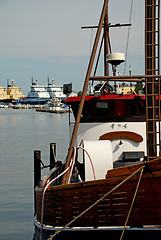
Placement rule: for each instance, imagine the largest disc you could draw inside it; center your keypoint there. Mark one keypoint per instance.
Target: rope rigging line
(91, 40)
(128, 35)
(95, 203)
(133, 200)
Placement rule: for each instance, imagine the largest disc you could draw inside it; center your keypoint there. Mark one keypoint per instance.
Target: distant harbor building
(11, 92)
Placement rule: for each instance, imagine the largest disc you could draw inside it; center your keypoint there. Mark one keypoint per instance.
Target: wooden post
(52, 155)
(37, 173)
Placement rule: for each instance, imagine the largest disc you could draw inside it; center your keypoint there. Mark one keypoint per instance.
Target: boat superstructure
(38, 91)
(55, 91)
(113, 118)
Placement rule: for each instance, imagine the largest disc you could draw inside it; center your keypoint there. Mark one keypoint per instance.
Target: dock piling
(37, 172)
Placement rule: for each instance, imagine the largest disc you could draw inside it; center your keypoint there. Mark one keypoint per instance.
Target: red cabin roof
(104, 97)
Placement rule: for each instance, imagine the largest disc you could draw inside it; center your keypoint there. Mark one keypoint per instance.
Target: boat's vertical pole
(105, 5)
(52, 155)
(37, 172)
(106, 44)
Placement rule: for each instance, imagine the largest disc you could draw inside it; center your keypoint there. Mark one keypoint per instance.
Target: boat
(55, 105)
(40, 94)
(37, 95)
(110, 183)
(55, 91)
(2, 105)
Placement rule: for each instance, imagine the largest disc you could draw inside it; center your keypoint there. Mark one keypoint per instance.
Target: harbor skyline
(38, 41)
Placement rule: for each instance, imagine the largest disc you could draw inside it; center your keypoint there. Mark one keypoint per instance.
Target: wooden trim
(153, 166)
(122, 135)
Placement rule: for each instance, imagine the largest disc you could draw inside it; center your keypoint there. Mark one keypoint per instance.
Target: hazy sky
(41, 38)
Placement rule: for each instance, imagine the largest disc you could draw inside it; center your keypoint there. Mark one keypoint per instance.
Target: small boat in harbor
(3, 105)
(110, 183)
(55, 105)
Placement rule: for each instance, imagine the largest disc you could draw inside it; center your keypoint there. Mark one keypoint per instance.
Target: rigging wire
(91, 40)
(128, 35)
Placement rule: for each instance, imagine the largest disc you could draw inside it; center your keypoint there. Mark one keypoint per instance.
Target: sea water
(21, 132)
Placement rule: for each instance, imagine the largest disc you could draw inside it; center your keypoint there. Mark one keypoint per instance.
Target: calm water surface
(22, 132)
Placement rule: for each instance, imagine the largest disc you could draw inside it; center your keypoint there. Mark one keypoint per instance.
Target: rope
(90, 48)
(128, 35)
(137, 187)
(39, 158)
(72, 166)
(95, 203)
(43, 165)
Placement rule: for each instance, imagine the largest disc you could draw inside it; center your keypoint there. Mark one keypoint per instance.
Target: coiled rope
(100, 199)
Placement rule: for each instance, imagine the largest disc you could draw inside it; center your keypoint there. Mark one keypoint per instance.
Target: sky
(43, 38)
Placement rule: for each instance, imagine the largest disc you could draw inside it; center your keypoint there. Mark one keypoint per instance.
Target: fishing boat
(110, 183)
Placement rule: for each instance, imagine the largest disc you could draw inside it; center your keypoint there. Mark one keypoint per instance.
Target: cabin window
(102, 105)
(120, 108)
(102, 108)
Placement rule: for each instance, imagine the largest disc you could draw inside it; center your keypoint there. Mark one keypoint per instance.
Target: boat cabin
(115, 124)
(109, 108)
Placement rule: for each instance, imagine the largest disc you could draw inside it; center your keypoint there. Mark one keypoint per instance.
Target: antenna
(115, 59)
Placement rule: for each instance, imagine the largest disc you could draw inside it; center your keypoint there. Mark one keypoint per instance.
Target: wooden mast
(104, 9)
